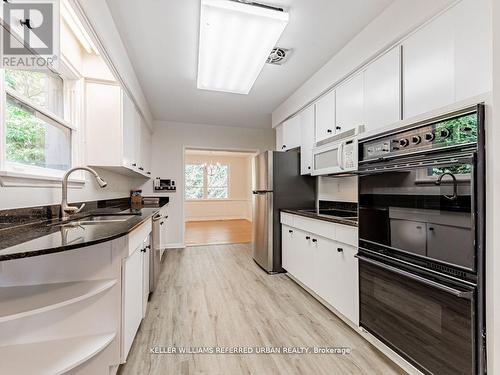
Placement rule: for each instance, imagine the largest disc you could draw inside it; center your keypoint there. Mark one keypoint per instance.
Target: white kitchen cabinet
(116, 137)
(280, 140)
(291, 133)
(327, 266)
(382, 91)
(146, 252)
(449, 59)
(307, 118)
(132, 279)
(428, 67)
(325, 117)
(346, 295)
(473, 52)
(289, 256)
(349, 104)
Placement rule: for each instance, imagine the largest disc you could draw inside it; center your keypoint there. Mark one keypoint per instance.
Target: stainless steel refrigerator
(277, 185)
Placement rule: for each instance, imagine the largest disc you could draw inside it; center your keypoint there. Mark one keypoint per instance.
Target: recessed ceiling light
(235, 41)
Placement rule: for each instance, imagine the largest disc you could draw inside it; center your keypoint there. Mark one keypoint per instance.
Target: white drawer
(347, 234)
(287, 219)
(137, 236)
(318, 227)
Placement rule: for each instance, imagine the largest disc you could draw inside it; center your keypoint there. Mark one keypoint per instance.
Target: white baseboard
(212, 218)
(173, 246)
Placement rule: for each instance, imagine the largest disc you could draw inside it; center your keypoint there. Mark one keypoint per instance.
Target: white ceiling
(162, 41)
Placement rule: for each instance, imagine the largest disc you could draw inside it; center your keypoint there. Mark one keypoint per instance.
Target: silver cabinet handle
(420, 279)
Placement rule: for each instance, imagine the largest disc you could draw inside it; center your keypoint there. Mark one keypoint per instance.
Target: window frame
(17, 174)
(205, 186)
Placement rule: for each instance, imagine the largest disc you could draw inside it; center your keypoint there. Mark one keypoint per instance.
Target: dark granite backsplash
(23, 216)
(348, 206)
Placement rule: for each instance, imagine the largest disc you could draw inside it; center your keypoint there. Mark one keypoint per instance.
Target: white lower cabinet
(135, 286)
(326, 266)
(132, 299)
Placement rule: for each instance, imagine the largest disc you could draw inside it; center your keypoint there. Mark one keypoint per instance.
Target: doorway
(217, 197)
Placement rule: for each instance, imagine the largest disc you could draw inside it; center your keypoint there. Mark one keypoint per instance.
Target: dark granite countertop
(311, 213)
(40, 238)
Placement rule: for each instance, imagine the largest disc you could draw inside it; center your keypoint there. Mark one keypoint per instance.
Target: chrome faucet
(66, 210)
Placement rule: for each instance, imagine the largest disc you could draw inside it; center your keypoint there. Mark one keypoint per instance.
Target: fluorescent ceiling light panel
(235, 41)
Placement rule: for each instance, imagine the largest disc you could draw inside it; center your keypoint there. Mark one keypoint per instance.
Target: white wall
(395, 22)
(341, 189)
(238, 204)
(118, 187)
(493, 207)
(169, 141)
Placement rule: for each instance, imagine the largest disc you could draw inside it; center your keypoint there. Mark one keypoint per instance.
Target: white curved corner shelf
(25, 300)
(52, 357)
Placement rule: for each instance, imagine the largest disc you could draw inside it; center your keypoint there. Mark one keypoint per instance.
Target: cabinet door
(349, 104)
(325, 269)
(428, 67)
(129, 130)
(382, 91)
(473, 51)
(280, 141)
(138, 141)
(305, 258)
(307, 139)
(132, 298)
(325, 117)
(346, 298)
(288, 256)
(103, 107)
(145, 275)
(291, 133)
(145, 148)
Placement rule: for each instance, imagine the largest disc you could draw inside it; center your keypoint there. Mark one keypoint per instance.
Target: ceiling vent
(278, 56)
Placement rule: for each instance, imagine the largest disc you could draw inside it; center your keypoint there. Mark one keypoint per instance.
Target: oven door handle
(444, 288)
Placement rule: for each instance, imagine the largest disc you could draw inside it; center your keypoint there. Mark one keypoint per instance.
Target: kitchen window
(207, 181)
(37, 140)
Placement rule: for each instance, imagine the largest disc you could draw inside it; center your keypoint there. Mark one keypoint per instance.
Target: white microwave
(335, 157)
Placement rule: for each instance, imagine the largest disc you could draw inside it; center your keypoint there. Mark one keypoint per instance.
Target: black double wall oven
(421, 242)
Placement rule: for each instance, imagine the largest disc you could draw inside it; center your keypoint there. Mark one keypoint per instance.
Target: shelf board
(52, 357)
(21, 301)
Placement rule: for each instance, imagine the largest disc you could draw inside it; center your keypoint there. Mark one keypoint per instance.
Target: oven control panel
(456, 131)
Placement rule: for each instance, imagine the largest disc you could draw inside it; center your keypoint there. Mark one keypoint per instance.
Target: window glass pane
(194, 175)
(217, 193)
(217, 175)
(43, 89)
(194, 192)
(33, 139)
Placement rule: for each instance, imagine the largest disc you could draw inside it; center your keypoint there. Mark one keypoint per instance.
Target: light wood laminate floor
(217, 232)
(217, 296)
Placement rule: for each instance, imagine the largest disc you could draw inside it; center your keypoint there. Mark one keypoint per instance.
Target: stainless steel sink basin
(95, 219)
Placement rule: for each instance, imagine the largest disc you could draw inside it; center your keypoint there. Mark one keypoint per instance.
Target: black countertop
(314, 215)
(42, 238)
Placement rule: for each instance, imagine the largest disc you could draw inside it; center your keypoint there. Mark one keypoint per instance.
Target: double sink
(95, 219)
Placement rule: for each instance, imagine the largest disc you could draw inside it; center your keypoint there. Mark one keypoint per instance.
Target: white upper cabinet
(473, 51)
(288, 134)
(307, 139)
(325, 116)
(382, 91)
(449, 59)
(280, 140)
(349, 104)
(428, 67)
(116, 136)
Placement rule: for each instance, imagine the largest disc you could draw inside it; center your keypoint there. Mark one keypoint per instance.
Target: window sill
(24, 179)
